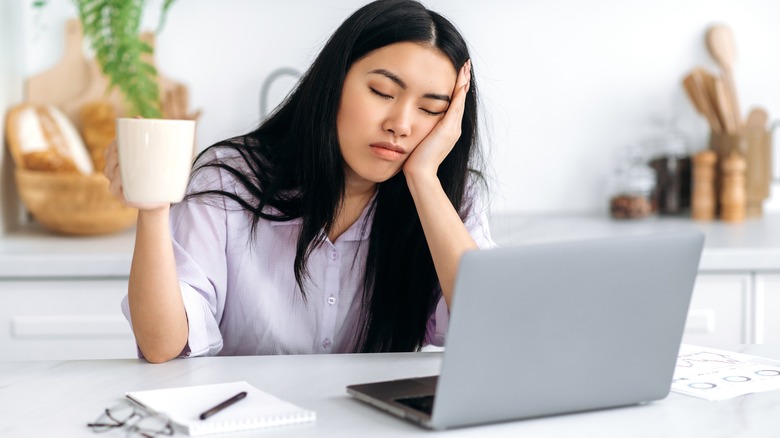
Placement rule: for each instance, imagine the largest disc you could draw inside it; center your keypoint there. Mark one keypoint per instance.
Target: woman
(338, 224)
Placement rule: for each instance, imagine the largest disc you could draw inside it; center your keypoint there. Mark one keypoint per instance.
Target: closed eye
(382, 95)
(388, 97)
(432, 113)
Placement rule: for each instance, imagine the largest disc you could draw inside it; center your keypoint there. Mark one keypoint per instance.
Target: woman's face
(392, 99)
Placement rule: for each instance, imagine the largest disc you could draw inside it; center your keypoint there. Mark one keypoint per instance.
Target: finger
(454, 114)
(111, 151)
(464, 77)
(461, 87)
(115, 186)
(110, 160)
(468, 75)
(108, 168)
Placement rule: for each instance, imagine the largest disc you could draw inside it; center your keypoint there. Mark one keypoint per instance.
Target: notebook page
(184, 405)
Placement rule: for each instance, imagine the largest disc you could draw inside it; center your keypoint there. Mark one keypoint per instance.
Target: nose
(398, 121)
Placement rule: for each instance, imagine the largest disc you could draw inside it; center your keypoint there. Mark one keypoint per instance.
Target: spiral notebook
(257, 410)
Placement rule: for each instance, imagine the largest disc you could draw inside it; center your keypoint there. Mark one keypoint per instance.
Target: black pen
(222, 405)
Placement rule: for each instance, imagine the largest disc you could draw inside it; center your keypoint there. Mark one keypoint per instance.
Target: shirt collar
(360, 230)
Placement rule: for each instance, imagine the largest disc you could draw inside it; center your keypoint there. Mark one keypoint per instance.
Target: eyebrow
(402, 84)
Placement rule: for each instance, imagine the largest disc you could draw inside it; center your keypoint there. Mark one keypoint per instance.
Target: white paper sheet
(714, 374)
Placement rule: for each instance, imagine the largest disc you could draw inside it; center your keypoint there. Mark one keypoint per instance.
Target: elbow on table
(161, 353)
(158, 357)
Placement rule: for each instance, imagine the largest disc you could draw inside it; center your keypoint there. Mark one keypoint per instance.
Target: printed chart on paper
(714, 374)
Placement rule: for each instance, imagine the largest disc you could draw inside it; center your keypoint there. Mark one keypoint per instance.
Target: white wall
(565, 83)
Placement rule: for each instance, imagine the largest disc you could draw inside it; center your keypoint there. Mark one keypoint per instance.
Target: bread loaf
(41, 137)
(98, 121)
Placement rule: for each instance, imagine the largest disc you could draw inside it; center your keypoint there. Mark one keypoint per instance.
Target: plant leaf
(164, 15)
(113, 28)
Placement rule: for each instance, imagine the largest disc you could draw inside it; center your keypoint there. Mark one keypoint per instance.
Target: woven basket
(71, 203)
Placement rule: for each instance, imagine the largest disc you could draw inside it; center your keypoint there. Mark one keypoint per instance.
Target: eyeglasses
(135, 422)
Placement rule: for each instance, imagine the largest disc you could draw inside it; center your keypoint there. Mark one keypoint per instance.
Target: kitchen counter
(753, 245)
(35, 253)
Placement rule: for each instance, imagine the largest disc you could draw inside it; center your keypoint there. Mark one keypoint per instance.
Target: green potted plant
(113, 28)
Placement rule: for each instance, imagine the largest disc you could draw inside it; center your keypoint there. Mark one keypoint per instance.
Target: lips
(389, 146)
(388, 151)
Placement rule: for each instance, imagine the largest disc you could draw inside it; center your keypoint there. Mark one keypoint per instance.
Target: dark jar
(673, 183)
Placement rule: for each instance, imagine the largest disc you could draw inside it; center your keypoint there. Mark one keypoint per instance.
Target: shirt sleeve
(478, 226)
(199, 238)
(204, 337)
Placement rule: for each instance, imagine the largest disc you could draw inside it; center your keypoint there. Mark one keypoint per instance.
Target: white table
(58, 398)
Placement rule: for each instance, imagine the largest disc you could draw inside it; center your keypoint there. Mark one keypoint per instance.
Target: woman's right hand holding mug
(114, 175)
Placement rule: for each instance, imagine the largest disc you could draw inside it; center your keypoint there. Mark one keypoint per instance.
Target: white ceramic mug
(155, 157)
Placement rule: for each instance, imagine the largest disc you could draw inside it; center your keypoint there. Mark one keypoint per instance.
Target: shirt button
(334, 255)
(331, 300)
(326, 343)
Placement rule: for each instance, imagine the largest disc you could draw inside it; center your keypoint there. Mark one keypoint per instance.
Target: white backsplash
(564, 83)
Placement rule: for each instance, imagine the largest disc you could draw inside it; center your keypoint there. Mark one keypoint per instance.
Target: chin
(385, 176)
(378, 176)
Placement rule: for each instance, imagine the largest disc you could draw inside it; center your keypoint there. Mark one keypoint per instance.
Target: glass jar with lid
(671, 161)
(632, 189)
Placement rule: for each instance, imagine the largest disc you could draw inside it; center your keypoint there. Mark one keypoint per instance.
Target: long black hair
(293, 164)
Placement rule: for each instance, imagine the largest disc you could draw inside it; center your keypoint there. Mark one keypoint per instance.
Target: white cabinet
(734, 308)
(768, 306)
(64, 319)
(720, 310)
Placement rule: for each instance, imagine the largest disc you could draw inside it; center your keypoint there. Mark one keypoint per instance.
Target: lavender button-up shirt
(240, 294)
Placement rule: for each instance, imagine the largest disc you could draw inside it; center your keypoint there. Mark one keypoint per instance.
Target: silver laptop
(554, 328)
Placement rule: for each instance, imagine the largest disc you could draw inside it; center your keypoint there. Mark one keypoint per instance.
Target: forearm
(445, 233)
(154, 297)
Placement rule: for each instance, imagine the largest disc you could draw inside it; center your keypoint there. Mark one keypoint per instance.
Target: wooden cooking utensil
(709, 88)
(759, 157)
(726, 111)
(66, 80)
(695, 88)
(757, 118)
(720, 43)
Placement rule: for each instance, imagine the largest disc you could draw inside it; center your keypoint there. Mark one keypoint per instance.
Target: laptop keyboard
(423, 403)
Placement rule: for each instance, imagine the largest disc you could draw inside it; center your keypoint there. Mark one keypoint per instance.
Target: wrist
(421, 180)
(154, 214)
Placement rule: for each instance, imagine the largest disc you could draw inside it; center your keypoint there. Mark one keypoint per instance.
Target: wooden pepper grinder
(704, 200)
(733, 196)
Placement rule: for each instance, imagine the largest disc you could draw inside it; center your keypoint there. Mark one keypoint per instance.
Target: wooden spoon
(720, 43)
(730, 122)
(696, 89)
(709, 87)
